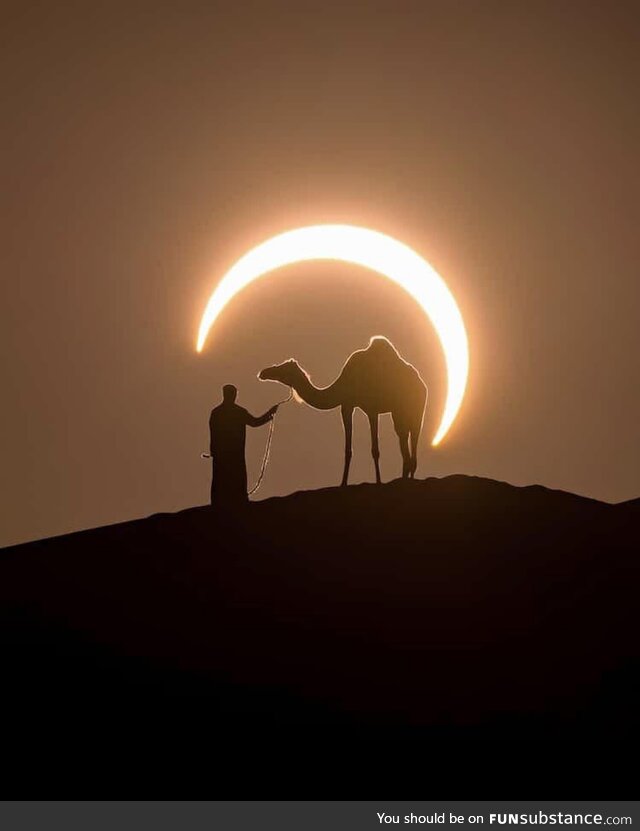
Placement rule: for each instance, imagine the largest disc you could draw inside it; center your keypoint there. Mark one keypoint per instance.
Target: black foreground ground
(424, 615)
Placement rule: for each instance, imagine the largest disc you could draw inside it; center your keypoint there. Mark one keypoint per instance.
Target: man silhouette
(228, 429)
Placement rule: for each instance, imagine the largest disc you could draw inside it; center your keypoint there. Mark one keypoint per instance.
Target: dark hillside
(446, 608)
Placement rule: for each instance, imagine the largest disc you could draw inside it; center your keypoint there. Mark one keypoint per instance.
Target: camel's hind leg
(403, 437)
(415, 437)
(375, 448)
(402, 431)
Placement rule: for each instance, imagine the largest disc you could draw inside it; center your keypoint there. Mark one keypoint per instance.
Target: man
(228, 429)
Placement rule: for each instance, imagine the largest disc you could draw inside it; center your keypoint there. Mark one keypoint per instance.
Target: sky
(145, 148)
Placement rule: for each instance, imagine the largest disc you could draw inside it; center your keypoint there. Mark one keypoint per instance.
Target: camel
(375, 379)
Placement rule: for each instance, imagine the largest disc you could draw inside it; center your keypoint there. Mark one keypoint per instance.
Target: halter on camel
(265, 460)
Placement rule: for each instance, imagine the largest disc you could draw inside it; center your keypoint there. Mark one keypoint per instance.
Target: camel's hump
(380, 350)
(380, 356)
(379, 343)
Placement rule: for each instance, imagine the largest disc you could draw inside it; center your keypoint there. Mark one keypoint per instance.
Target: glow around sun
(377, 252)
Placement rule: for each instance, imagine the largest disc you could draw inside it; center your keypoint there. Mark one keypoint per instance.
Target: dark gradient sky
(145, 149)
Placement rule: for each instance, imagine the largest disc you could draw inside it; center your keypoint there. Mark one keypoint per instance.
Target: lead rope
(267, 450)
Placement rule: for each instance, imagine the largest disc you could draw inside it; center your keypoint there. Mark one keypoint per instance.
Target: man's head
(229, 393)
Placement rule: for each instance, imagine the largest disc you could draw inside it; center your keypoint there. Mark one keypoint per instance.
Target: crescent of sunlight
(373, 250)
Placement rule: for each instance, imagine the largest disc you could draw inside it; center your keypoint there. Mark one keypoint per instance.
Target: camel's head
(286, 373)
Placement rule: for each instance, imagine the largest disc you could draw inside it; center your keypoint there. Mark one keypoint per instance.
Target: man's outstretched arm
(258, 421)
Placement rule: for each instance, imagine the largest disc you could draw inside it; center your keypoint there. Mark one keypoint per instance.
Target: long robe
(228, 430)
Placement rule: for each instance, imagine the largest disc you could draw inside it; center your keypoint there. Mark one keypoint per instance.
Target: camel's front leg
(347, 423)
(375, 449)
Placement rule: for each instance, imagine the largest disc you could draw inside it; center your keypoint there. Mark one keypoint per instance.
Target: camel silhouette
(375, 379)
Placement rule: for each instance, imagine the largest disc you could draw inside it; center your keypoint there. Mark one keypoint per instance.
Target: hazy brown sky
(145, 149)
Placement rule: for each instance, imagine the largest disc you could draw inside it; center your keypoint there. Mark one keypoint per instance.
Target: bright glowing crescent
(373, 250)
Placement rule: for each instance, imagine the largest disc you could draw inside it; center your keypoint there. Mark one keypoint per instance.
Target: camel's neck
(321, 398)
